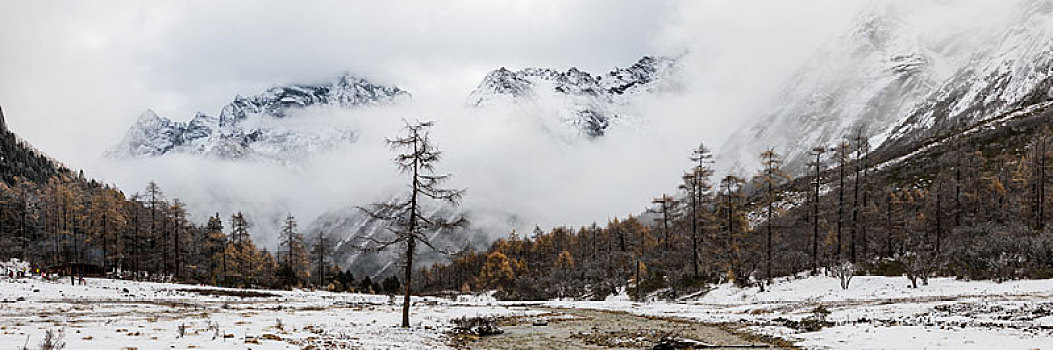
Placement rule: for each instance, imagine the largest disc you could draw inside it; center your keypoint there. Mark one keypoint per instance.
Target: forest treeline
(65, 224)
(71, 226)
(972, 205)
(969, 204)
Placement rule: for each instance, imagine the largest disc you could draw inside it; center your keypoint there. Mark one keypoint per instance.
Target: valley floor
(874, 313)
(114, 314)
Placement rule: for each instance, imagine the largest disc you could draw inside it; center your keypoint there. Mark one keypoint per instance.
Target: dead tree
(321, 252)
(405, 217)
(665, 205)
(818, 153)
(842, 160)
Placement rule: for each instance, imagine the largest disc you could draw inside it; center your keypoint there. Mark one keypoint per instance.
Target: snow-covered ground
(875, 312)
(115, 314)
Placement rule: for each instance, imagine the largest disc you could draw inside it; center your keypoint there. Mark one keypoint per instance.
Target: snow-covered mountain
(257, 126)
(353, 234)
(866, 80)
(587, 103)
(1015, 71)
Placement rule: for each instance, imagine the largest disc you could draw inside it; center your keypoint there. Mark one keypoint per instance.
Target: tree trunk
(771, 199)
(840, 202)
(410, 250)
(815, 216)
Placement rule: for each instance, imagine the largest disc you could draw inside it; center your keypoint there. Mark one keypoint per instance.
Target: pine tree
(405, 217)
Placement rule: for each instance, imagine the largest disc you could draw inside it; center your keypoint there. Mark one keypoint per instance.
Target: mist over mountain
(869, 80)
(898, 73)
(326, 137)
(256, 126)
(587, 103)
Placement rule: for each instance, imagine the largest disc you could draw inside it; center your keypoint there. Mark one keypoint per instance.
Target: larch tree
(238, 252)
(698, 188)
(156, 198)
(1039, 180)
(215, 247)
(817, 164)
(179, 223)
(858, 228)
(239, 228)
(841, 152)
(732, 221)
(321, 251)
(771, 176)
(497, 272)
(295, 264)
(665, 207)
(405, 216)
(108, 219)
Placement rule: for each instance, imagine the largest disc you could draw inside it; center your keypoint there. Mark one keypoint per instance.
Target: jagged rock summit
(586, 102)
(251, 126)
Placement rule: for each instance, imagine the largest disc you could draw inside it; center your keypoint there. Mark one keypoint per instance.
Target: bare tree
(771, 176)
(818, 164)
(405, 217)
(731, 213)
(842, 160)
(321, 252)
(664, 207)
(698, 187)
(858, 228)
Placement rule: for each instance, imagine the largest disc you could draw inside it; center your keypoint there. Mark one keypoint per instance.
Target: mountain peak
(225, 136)
(589, 102)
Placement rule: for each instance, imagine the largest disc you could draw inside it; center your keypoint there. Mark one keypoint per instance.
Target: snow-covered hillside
(258, 126)
(1015, 71)
(865, 80)
(353, 233)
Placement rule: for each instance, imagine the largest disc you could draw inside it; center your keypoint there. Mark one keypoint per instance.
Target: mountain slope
(1012, 74)
(866, 80)
(255, 126)
(18, 159)
(354, 233)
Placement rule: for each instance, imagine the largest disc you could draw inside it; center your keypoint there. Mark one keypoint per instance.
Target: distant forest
(972, 203)
(66, 224)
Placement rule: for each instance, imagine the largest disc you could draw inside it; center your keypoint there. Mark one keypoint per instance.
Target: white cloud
(75, 75)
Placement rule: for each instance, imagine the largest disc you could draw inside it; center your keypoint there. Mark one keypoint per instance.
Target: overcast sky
(75, 75)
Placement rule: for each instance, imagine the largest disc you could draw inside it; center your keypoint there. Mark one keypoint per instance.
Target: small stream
(589, 329)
